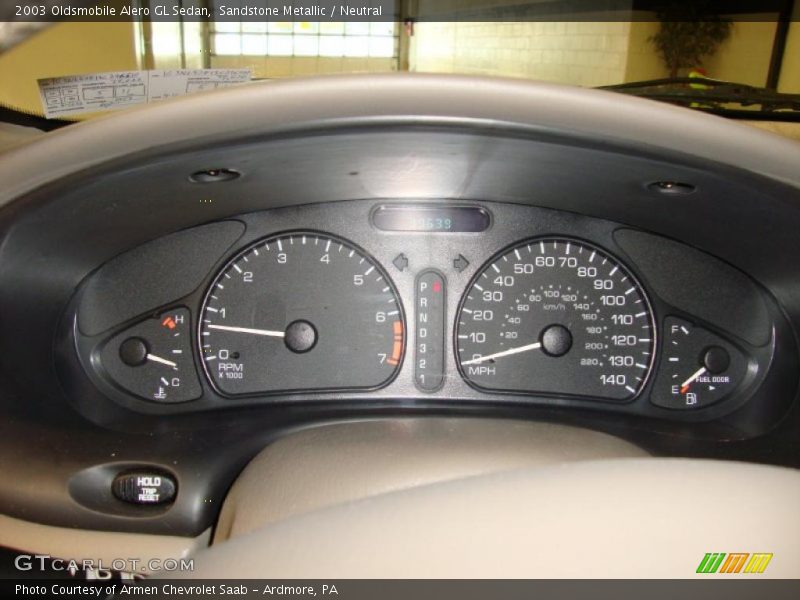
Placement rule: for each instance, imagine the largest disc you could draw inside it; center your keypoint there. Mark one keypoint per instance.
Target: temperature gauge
(698, 368)
(153, 359)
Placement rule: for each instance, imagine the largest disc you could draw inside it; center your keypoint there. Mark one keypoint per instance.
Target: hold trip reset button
(144, 487)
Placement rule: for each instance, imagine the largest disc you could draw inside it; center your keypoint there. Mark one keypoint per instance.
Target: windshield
(79, 60)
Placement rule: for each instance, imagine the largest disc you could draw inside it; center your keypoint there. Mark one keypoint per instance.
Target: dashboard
(180, 286)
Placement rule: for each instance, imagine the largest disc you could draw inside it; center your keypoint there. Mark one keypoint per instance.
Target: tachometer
(559, 317)
(299, 312)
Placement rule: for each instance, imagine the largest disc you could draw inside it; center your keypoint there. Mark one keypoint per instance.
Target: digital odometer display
(298, 312)
(439, 218)
(558, 317)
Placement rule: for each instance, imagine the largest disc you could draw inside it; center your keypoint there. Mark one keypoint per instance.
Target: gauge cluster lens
(555, 316)
(300, 312)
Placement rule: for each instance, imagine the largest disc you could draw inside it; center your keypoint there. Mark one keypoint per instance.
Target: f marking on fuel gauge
(430, 300)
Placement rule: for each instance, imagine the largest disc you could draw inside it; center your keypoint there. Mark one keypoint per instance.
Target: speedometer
(299, 312)
(555, 316)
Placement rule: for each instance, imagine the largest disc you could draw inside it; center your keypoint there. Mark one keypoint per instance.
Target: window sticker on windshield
(77, 94)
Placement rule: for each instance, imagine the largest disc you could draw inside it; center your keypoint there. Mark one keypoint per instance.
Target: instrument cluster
(427, 302)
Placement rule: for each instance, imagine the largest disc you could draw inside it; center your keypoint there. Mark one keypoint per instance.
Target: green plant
(687, 35)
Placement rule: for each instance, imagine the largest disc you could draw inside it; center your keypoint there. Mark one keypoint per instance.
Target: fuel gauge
(698, 368)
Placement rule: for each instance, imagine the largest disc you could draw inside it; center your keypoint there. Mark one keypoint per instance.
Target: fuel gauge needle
(517, 350)
(163, 361)
(685, 385)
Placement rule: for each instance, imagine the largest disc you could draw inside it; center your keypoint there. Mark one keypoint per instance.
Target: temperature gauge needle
(163, 361)
(685, 385)
(481, 359)
(266, 332)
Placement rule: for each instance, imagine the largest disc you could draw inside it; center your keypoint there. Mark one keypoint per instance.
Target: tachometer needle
(481, 359)
(163, 361)
(685, 385)
(249, 330)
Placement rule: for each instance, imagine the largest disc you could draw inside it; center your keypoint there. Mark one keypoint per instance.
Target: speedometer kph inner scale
(301, 312)
(558, 317)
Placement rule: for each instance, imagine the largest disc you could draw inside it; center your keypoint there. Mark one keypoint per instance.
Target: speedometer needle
(481, 359)
(163, 361)
(249, 330)
(685, 385)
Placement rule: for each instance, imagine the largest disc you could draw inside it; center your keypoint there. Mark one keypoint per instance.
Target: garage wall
(288, 66)
(166, 54)
(591, 54)
(744, 57)
(581, 53)
(643, 61)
